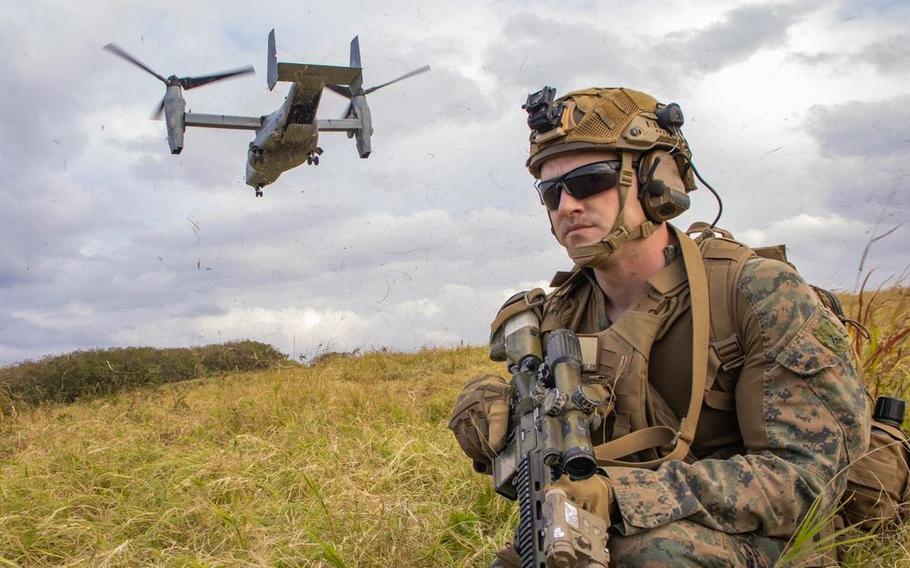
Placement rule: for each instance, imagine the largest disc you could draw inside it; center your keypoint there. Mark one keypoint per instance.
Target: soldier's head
(612, 165)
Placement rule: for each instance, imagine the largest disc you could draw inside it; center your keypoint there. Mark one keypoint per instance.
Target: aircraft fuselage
(285, 141)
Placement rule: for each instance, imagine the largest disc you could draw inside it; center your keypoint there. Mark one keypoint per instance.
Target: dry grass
(345, 463)
(881, 338)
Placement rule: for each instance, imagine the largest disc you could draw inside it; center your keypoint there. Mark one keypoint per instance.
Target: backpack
(878, 483)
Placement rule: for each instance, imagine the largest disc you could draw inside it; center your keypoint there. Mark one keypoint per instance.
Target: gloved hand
(480, 419)
(594, 494)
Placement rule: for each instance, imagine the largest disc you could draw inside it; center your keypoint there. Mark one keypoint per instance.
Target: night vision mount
(543, 116)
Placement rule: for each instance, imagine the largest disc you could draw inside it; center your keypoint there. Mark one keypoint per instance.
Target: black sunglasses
(581, 183)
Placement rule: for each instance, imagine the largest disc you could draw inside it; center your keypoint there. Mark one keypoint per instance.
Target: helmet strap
(598, 254)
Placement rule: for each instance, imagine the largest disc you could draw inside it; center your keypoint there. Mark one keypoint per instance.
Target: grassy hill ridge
(92, 372)
(344, 463)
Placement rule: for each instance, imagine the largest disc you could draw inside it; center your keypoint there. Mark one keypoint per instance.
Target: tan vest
(647, 358)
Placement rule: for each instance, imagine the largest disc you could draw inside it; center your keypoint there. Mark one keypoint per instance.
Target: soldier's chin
(581, 237)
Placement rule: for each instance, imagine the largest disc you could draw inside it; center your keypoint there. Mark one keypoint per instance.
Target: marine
(735, 401)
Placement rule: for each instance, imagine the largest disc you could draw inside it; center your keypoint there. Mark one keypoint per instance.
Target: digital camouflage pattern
(685, 543)
(802, 414)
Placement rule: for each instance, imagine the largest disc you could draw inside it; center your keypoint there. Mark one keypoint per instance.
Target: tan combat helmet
(631, 124)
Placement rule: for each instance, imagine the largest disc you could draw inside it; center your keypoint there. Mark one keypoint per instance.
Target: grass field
(344, 463)
(347, 462)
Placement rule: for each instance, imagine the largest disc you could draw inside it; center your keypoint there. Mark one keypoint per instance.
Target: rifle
(550, 416)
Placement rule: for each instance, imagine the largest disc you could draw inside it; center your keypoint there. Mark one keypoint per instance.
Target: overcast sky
(797, 113)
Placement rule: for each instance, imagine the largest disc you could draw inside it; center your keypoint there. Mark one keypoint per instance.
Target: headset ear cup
(662, 193)
(653, 197)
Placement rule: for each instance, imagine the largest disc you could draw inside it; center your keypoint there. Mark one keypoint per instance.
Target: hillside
(344, 463)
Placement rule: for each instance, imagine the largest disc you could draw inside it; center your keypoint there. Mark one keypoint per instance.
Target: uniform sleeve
(802, 412)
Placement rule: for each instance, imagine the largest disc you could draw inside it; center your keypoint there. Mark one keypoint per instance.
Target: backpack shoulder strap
(724, 260)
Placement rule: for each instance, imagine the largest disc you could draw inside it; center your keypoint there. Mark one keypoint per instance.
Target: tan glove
(594, 494)
(480, 419)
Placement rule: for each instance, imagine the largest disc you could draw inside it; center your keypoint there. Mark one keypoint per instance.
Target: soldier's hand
(480, 419)
(594, 494)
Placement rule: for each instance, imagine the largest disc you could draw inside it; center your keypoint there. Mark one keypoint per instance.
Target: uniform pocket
(820, 344)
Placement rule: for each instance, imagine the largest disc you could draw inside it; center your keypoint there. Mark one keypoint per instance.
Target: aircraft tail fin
(355, 52)
(272, 64)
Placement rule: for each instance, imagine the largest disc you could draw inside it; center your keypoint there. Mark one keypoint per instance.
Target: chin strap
(598, 254)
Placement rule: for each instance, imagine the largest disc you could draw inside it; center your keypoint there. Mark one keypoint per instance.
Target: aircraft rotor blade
(342, 90)
(158, 111)
(116, 50)
(193, 82)
(403, 77)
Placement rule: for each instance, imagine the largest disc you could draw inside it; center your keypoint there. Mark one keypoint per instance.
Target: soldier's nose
(568, 203)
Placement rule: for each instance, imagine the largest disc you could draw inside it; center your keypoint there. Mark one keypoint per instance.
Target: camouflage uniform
(779, 423)
(798, 422)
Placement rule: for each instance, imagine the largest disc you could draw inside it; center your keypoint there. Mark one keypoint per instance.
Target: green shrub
(65, 378)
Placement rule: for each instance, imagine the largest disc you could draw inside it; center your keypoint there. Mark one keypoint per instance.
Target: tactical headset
(660, 187)
(645, 133)
(661, 190)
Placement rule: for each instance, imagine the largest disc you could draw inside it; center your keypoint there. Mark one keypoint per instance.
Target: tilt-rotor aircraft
(288, 137)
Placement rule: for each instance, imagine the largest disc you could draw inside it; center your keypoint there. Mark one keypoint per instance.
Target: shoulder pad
(723, 248)
(705, 230)
(561, 278)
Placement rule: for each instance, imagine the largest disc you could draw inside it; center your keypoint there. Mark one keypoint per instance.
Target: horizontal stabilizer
(316, 75)
(311, 76)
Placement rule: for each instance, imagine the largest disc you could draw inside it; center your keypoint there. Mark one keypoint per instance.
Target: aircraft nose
(254, 177)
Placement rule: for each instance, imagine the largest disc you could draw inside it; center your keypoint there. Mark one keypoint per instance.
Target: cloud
(827, 248)
(864, 148)
(860, 128)
(805, 226)
(109, 240)
(537, 49)
(889, 56)
(319, 329)
(883, 9)
(383, 267)
(743, 31)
